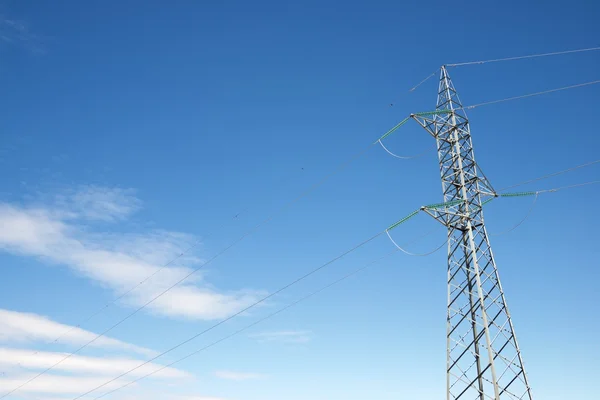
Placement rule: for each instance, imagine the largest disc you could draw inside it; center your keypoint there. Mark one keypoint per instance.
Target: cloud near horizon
(75, 374)
(58, 233)
(20, 327)
(140, 393)
(56, 384)
(69, 230)
(11, 358)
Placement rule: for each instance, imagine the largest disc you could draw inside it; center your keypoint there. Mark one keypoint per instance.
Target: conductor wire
(260, 301)
(556, 53)
(269, 316)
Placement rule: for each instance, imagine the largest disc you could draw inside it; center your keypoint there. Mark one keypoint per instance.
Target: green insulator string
(518, 194)
(436, 112)
(405, 120)
(442, 205)
(388, 133)
(487, 201)
(455, 202)
(403, 220)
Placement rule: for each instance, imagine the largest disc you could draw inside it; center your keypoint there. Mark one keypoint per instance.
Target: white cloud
(98, 203)
(194, 398)
(70, 373)
(284, 336)
(140, 393)
(193, 301)
(26, 327)
(41, 360)
(117, 261)
(56, 384)
(143, 389)
(239, 376)
(159, 396)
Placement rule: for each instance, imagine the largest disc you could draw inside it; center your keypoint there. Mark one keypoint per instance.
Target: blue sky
(132, 130)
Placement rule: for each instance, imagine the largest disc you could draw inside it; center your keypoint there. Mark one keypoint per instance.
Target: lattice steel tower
(483, 356)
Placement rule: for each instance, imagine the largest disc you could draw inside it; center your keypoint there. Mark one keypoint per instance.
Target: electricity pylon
(483, 356)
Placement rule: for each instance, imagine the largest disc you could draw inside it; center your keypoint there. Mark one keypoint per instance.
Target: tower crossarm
(451, 131)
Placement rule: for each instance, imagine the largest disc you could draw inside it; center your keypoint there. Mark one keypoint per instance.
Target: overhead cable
(260, 301)
(530, 95)
(286, 205)
(556, 53)
(564, 171)
(237, 332)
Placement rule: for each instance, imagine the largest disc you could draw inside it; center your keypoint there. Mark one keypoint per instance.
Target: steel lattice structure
(483, 356)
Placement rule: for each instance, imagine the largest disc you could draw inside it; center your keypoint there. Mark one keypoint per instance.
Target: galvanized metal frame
(483, 357)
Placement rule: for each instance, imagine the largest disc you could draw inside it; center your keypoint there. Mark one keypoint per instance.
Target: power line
(273, 314)
(536, 194)
(453, 203)
(341, 167)
(263, 299)
(490, 363)
(569, 186)
(556, 53)
(501, 60)
(282, 289)
(530, 95)
(286, 205)
(438, 112)
(523, 57)
(424, 80)
(401, 157)
(146, 279)
(258, 321)
(415, 254)
(520, 222)
(551, 175)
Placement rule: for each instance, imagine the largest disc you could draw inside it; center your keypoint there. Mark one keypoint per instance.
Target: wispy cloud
(82, 365)
(98, 203)
(154, 394)
(239, 376)
(17, 32)
(55, 234)
(18, 327)
(140, 393)
(56, 384)
(12, 30)
(194, 398)
(74, 374)
(284, 336)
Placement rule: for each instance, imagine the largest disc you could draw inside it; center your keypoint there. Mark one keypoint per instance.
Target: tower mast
(483, 357)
